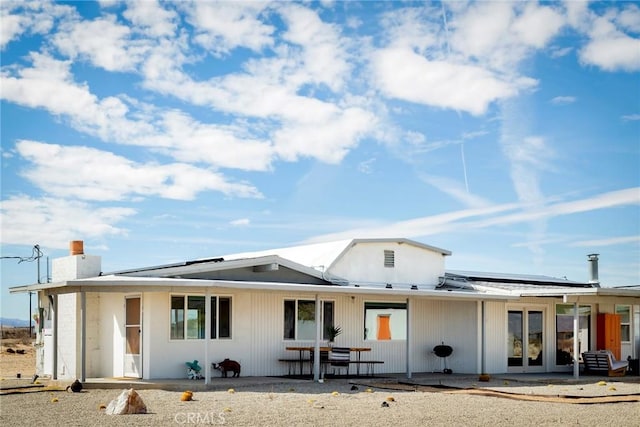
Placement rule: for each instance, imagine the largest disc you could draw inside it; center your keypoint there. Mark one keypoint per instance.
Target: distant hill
(14, 323)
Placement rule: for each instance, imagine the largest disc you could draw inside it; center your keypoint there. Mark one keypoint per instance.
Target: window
(624, 311)
(389, 258)
(195, 317)
(384, 321)
(564, 332)
(177, 318)
(300, 319)
(188, 317)
(220, 317)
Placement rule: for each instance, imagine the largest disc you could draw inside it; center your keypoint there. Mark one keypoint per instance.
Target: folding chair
(339, 357)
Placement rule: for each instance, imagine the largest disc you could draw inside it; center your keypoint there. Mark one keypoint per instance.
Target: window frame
(382, 305)
(585, 329)
(624, 325)
(215, 318)
(181, 316)
(296, 315)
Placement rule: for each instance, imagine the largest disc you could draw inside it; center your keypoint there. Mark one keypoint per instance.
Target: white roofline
(116, 283)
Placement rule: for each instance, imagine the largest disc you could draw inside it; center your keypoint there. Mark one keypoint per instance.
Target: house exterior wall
(68, 336)
(364, 263)
(257, 334)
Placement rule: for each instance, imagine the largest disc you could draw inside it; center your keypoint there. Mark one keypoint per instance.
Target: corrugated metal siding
(448, 322)
(496, 337)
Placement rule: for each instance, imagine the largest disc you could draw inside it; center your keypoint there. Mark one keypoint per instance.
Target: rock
(129, 402)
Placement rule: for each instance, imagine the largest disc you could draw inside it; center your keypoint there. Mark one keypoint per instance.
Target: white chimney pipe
(593, 270)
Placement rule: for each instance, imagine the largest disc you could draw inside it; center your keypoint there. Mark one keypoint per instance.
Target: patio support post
(316, 353)
(576, 349)
(483, 337)
(83, 336)
(409, 341)
(55, 336)
(207, 335)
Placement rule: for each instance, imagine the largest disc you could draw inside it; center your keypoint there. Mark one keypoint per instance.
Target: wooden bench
(292, 363)
(370, 364)
(603, 361)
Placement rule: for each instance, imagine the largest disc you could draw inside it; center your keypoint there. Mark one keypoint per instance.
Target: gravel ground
(329, 404)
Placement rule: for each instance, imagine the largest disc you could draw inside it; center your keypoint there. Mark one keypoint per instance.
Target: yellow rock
(369, 390)
(506, 382)
(602, 383)
(335, 393)
(390, 399)
(231, 390)
(102, 406)
(612, 388)
(54, 400)
(186, 396)
(227, 409)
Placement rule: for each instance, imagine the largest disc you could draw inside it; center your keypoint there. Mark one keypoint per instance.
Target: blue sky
(507, 133)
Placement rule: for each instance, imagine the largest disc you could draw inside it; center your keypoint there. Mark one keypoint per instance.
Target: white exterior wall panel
(68, 336)
(93, 351)
(111, 331)
(448, 322)
(413, 265)
(495, 337)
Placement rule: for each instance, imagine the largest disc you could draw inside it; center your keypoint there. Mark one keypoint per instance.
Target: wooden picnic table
(302, 349)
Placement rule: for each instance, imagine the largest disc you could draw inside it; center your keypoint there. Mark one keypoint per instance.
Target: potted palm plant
(333, 332)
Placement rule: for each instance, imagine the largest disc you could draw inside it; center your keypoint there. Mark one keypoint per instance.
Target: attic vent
(389, 259)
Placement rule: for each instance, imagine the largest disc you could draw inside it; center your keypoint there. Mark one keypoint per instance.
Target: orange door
(384, 327)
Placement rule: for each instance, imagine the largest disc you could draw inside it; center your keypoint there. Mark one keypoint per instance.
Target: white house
(392, 296)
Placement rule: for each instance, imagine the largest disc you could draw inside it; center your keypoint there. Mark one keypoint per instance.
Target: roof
(511, 280)
(324, 255)
(118, 283)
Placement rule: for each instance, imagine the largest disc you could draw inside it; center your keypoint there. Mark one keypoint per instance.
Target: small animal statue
(75, 387)
(228, 366)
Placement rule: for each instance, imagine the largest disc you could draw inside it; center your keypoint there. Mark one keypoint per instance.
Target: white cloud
(328, 141)
(609, 47)
(366, 166)
(223, 26)
(33, 17)
(151, 18)
(486, 217)
(403, 74)
(91, 174)
(323, 56)
(631, 117)
(537, 25)
(222, 146)
(563, 100)
(49, 85)
(610, 241)
(53, 222)
(103, 41)
(242, 222)
(455, 190)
